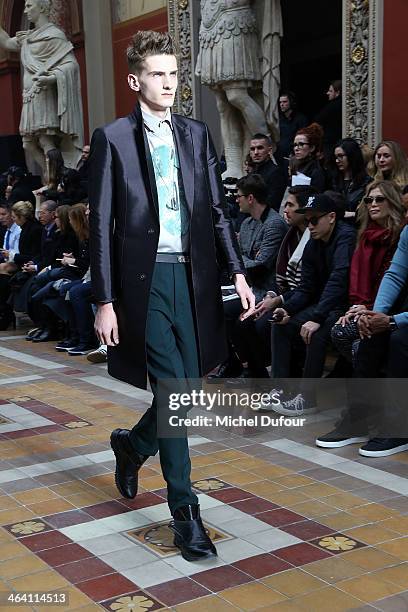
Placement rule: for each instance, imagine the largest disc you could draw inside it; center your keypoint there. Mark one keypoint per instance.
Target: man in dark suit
(156, 216)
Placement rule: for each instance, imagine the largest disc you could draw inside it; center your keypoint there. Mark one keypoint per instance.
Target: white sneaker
(100, 355)
(294, 407)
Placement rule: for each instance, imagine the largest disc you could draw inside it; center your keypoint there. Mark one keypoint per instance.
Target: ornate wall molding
(180, 27)
(362, 69)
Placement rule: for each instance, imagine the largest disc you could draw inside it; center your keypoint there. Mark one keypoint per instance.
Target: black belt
(172, 258)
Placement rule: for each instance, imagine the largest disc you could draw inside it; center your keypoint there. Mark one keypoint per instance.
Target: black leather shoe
(229, 369)
(190, 535)
(128, 463)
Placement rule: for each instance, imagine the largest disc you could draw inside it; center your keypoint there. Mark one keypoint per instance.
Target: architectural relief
(123, 10)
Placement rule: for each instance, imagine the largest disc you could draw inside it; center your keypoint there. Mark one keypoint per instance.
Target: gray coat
(260, 242)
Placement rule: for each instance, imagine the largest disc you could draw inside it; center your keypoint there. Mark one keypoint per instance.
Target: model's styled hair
(23, 210)
(255, 185)
(397, 211)
(145, 43)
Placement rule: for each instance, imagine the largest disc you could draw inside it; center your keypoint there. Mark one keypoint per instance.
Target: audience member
(385, 344)
(307, 150)
(20, 186)
(391, 163)
(260, 237)
(30, 236)
(350, 175)
(70, 189)
(290, 121)
(12, 234)
(261, 151)
(330, 117)
(381, 217)
(317, 302)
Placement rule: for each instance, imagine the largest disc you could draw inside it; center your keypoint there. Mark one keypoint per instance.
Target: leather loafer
(128, 463)
(190, 535)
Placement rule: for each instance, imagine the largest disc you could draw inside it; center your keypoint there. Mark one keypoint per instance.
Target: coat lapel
(145, 157)
(185, 150)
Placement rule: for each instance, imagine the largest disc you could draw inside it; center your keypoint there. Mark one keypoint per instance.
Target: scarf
(368, 265)
(289, 260)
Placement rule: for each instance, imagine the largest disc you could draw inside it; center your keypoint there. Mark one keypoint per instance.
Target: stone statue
(239, 60)
(52, 107)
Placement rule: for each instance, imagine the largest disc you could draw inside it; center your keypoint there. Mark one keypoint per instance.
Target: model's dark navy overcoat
(124, 234)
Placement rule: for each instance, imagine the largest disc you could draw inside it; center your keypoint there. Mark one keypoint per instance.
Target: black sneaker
(383, 447)
(67, 344)
(81, 349)
(337, 439)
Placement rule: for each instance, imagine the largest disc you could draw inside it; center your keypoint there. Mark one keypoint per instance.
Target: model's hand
(246, 295)
(106, 325)
(307, 330)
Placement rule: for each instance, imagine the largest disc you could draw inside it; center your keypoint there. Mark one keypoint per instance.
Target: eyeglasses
(300, 145)
(240, 195)
(376, 199)
(314, 220)
(340, 156)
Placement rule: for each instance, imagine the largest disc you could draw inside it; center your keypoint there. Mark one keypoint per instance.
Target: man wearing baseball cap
(319, 300)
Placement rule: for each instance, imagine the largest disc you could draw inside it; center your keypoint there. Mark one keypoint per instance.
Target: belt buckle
(182, 259)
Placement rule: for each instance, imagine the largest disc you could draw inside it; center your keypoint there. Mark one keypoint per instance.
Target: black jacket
(275, 181)
(325, 274)
(352, 193)
(30, 242)
(314, 170)
(330, 118)
(124, 234)
(288, 129)
(22, 192)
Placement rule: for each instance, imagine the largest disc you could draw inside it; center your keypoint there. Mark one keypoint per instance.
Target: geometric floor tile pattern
(295, 529)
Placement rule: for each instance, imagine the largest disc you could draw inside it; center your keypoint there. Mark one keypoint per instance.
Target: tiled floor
(296, 528)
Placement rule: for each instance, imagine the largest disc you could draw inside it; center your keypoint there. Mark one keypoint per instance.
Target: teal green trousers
(172, 352)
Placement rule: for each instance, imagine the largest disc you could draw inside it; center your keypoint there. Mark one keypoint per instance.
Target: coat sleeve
(101, 218)
(224, 231)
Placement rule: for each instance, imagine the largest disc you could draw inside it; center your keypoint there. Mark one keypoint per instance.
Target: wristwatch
(393, 325)
(271, 294)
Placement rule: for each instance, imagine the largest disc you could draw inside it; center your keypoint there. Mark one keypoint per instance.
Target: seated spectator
(260, 237)
(70, 189)
(381, 218)
(49, 297)
(260, 151)
(350, 175)
(385, 344)
(317, 302)
(252, 336)
(82, 167)
(307, 148)
(330, 117)
(20, 186)
(391, 163)
(81, 320)
(249, 165)
(12, 234)
(30, 237)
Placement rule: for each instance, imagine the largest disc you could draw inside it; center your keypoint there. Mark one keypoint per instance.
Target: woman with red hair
(307, 147)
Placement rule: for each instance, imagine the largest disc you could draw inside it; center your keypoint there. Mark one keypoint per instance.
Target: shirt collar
(154, 123)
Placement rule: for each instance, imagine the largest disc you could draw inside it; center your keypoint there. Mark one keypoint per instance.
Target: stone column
(99, 62)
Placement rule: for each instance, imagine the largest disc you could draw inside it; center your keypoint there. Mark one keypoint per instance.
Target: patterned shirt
(173, 212)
